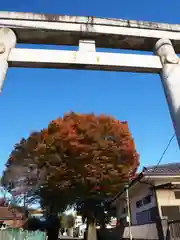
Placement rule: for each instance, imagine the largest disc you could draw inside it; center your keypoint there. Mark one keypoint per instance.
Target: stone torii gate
(89, 33)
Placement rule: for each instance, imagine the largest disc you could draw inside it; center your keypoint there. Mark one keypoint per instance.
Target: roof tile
(9, 214)
(165, 169)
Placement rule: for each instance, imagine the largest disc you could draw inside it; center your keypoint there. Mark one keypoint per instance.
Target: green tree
(67, 222)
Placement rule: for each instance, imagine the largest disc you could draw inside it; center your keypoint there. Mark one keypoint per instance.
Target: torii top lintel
(108, 33)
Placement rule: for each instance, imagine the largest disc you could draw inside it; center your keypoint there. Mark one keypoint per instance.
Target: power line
(161, 158)
(159, 161)
(165, 150)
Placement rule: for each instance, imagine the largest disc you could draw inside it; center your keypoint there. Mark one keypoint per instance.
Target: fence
(140, 232)
(174, 230)
(16, 234)
(170, 229)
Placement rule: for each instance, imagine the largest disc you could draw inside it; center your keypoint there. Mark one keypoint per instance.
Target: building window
(147, 200)
(139, 204)
(154, 212)
(147, 216)
(177, 194)
(171, 212)
(143, 217)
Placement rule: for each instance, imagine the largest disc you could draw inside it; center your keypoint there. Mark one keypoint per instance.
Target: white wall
(143, 191)
(147, 231)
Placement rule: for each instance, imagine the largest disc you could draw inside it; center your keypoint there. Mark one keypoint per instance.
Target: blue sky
(33, 97)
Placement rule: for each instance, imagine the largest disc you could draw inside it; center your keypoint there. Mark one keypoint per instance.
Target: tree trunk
(70, 232)
(53, 223)
(92, 233)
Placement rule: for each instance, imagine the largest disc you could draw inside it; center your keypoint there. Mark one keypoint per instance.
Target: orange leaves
(81, 151)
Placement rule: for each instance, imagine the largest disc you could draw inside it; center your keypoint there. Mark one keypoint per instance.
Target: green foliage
(67, 221)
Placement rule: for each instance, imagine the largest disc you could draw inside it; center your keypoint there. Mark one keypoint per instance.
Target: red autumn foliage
(83, 152)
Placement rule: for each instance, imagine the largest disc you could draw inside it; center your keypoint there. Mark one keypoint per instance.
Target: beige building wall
(166, 198)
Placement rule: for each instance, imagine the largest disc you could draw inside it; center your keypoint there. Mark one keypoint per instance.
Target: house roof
(9, 214)
(162, 170)
(170, 169)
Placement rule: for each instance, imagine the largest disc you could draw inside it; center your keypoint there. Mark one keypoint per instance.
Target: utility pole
(128, 211)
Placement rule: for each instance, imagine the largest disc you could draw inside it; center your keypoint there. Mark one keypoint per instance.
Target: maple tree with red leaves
(75, 157)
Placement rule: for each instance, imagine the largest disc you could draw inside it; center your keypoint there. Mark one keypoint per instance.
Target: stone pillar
(170, 77)
(7, 41)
